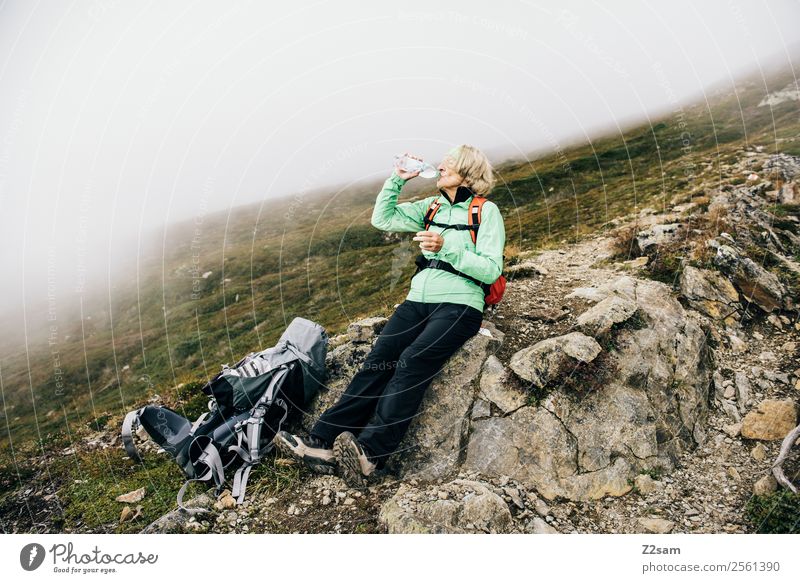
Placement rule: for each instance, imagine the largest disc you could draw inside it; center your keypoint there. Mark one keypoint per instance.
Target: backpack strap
(198, 423)
(241, 476)
(433, 208)
(131, 420)
(211, 459)
(474, 216)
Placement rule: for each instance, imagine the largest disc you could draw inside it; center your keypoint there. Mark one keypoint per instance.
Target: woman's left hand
(429, 241)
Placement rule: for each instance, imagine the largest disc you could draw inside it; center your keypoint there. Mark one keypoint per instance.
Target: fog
(117, 118)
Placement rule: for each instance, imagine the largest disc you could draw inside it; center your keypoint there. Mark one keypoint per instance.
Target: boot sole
(346, 453)
(315, 464)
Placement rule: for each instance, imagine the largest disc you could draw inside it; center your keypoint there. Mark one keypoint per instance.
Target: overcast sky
(116, 117)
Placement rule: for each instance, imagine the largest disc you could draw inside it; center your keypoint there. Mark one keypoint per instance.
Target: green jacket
(483, 261)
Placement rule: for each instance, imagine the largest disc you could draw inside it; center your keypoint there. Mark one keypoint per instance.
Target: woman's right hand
(402, 173)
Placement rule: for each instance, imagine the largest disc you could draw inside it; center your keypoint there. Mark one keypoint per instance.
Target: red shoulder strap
(432, 210)
(474, 215)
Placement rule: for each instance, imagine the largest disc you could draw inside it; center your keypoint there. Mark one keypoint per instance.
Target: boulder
(599, 319)
(495, 388)
(547, 360)
(367, 329)
(765, 485)
(649, 240)
(624, 286)
(534, 447)
(782, 166)
(771, 420)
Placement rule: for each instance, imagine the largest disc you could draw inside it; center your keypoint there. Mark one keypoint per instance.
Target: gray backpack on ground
(248, 404)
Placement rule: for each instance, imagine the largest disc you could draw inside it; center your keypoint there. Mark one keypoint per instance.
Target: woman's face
(448, 178)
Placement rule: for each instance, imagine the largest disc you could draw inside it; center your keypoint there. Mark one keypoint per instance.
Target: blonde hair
(474, 167)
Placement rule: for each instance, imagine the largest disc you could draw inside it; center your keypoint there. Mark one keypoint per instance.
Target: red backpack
(493, 292)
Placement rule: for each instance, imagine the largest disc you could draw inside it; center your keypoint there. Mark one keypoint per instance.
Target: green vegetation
(776, 513)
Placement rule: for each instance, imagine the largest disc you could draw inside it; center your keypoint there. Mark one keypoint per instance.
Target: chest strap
(425, 263)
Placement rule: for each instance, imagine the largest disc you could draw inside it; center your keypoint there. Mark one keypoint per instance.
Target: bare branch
(777, 467)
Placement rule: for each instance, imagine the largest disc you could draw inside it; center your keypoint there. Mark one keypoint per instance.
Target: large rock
(782, 167)
(624, 286)
(650, 408)
(599, 319)
(366, 330)
(771, 420)
(459, 506)
(533, 446)
(711, 294)
(551, 358)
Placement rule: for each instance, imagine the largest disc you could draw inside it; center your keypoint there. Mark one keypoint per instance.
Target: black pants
(384, 395)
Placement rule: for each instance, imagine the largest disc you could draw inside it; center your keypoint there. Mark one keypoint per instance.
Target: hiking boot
(311, 450)
(355, 462)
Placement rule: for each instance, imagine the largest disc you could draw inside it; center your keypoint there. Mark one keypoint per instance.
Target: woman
(441, 312)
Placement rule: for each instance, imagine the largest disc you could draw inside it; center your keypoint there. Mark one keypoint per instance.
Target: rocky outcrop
(642, 413)
(609, 312)
(650, 409)
(496, 389)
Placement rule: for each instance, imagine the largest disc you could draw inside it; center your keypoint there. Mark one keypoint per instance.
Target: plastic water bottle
(412, 165)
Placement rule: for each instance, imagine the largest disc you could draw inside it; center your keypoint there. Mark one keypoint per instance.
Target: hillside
(210, 295)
